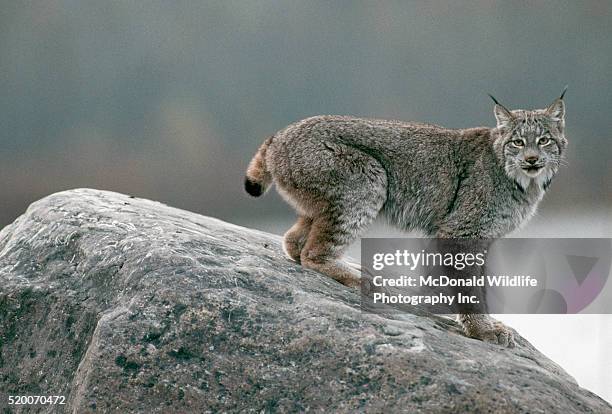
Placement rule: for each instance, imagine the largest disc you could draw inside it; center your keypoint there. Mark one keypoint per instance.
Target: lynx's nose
(532, 159)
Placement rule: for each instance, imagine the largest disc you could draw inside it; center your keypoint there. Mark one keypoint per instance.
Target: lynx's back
(422, 164)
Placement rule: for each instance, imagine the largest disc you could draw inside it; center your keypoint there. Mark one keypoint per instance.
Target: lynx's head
(531, 144)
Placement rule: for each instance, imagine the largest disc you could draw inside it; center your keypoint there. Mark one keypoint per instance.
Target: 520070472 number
(36, 399)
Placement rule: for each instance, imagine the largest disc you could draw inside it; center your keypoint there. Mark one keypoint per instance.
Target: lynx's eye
(544, 141)
(518, 143)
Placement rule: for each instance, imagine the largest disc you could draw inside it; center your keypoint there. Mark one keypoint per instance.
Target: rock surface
(126, 305)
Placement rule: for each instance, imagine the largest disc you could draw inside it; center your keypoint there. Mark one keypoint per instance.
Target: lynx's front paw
(486, 329)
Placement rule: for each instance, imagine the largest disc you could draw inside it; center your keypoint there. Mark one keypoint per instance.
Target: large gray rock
(127, 305)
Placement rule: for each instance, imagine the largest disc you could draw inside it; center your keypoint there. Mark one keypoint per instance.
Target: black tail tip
(253, 188)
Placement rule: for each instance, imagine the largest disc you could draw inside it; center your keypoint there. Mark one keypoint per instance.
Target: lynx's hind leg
(295, 238)
(337, 191)
(332, 232)
(346, 217)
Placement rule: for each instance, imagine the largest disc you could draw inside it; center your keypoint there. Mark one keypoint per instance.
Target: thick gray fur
(341, 172)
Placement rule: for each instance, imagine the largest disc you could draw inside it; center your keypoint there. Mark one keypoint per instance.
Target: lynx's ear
(556, 110)
(503, 116)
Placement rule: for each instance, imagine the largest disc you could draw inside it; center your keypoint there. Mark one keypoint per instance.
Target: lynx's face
(531, 144)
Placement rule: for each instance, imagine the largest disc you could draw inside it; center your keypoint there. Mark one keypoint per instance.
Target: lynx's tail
(258, 178)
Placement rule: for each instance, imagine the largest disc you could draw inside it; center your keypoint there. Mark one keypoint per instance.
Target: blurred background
(169, 101)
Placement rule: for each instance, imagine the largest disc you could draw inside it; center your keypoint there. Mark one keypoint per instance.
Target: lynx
(341, 172)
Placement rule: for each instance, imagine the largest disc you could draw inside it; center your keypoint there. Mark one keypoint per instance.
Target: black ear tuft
(563, 93)
(494, 100)
(498, 104)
